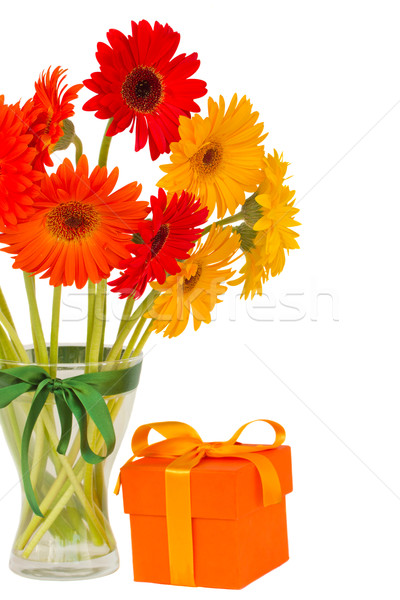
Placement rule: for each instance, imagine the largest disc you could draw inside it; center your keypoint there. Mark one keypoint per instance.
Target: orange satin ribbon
(184, 444)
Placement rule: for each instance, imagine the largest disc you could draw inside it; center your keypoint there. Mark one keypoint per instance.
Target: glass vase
(73, 539)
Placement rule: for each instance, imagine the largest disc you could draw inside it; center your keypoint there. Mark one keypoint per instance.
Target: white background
(325, 78)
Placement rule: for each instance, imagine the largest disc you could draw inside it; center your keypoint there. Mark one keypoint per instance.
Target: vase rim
(69, 348)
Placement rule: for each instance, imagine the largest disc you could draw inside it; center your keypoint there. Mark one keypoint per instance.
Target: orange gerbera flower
(17, 178)
(79, 230)
(47, 110)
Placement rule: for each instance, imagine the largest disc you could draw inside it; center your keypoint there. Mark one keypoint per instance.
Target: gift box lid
(221, 488)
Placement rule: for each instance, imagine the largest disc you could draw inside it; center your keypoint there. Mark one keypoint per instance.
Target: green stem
(3, 349)
(91, 303)
(38, 459)
(11, 429)
(226, 221)
(105, 147)
(97, 329)
(143, 339)
(13, 436)
(134, 338)
(14, 338)
(37, 331)
(75, 481)
(48, 522)
(6, 346)
(88, 489)
(4, 308)
(37, 525)
(55, 327)
(78, 147)
(51, 494)
(116, 350)
(75, 518)
(103, 324)
(130, 301)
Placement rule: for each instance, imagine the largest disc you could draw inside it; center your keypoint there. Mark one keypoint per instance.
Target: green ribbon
(79, 396)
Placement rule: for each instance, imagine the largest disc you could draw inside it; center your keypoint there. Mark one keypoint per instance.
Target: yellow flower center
(72, 221)
(143, 89)
(207, 159)
(190, 284)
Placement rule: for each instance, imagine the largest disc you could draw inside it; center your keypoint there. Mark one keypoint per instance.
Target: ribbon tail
(97, 410)
(118, 484)
(85, 400)
(271, 485)
(65, 415)
(179, 518)
(75, 405)
(38, 402)
(117, 488)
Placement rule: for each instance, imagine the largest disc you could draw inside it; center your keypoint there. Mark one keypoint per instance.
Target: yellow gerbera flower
(218, 158)
(197, 287)
(278, 211)
(267, 233)
(274, 172)
(253, 274)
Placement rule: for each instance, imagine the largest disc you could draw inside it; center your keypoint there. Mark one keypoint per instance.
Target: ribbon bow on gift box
(185, 446)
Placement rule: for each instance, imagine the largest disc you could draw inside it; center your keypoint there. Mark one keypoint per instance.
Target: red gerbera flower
(17, 177)
(47, 110)
(79, 229)
(166, 239)
(141, 84)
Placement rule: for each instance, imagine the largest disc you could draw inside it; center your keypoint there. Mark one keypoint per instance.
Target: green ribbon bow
(79, 396)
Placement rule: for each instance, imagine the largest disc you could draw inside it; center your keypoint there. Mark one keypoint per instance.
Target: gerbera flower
(47, 110)
(141, 85)
(197, 287)
(164, 240)
(254, 272)
(218, 158)
(266, 233)
(277, 211)
(17, 177)
(80, 229)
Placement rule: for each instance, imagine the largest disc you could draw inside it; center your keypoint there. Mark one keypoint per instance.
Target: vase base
(85, 569)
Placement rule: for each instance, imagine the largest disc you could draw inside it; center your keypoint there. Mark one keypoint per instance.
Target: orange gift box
(210, 515)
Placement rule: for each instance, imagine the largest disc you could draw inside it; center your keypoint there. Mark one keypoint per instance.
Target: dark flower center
(190, 284)
(207, 159)
(143, 89)
(159, 239)
(72, 221)
(48, 125)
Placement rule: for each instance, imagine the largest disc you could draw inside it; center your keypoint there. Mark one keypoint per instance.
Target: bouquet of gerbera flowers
(74, 226)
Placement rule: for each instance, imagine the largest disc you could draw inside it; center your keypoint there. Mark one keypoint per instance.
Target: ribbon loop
(81, 397)
(171, 430)
(280, 434)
